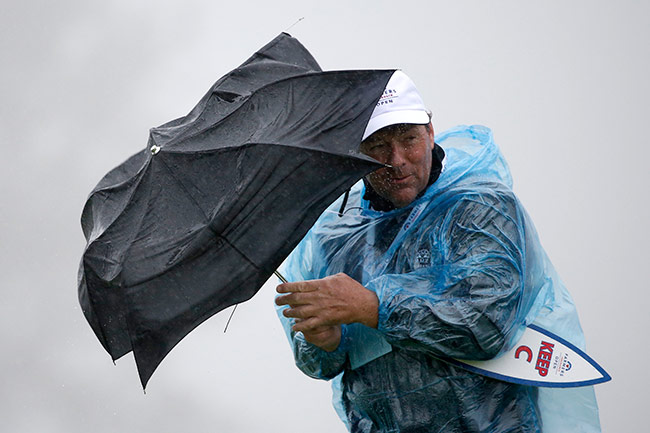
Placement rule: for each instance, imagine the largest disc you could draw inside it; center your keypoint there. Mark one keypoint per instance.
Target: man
(434, 258)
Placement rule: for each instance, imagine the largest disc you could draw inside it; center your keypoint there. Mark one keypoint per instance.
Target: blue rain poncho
(459, 273)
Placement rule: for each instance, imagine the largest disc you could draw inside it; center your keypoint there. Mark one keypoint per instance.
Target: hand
(331, 301)
(327, 338)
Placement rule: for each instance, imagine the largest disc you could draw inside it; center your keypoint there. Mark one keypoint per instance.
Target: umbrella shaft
(279, 275)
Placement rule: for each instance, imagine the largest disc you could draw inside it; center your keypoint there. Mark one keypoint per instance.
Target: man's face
(407, 149)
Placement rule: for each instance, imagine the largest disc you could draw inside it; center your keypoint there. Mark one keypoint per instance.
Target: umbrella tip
(289, 28)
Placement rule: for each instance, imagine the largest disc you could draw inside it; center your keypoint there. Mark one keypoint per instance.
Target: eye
(375, 147)
(408, 141)
(409, 135)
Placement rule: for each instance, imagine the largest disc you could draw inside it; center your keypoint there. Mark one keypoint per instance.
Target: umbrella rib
(140, 176)
(260, 203)
(359, 156)
(240, 253)
(191, 197)
(246, 99)
(278, 185)
(125, 181)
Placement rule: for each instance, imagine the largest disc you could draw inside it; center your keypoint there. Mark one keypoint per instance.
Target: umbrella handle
(279, 275)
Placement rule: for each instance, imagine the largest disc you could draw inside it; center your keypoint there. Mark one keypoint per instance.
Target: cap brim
(416, 117)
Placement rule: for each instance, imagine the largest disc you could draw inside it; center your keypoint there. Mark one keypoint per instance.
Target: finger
(282, 300)
(308, 325)
(321, 329)
(301, 312)
(289, 299)
(301, 286)
(294, 299)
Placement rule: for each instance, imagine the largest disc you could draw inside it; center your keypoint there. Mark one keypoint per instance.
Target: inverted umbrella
(201, 218)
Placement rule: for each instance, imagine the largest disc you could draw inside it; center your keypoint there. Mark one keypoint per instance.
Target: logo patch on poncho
(422, 258)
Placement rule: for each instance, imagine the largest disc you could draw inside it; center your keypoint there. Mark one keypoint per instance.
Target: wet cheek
(379, 181)
(378, 176)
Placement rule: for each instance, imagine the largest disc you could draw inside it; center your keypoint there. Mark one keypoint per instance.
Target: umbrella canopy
(201, 218)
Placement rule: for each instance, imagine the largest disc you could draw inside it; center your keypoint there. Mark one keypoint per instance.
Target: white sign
(540, 358)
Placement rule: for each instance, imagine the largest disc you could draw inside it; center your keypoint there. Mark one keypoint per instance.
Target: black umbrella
(201, 218)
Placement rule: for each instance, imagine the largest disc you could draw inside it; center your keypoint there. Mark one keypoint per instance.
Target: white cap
(400, 103)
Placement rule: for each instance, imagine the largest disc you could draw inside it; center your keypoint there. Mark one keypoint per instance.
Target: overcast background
(563, 85)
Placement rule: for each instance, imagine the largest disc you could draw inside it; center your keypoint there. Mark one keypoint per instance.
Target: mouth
(400, 180)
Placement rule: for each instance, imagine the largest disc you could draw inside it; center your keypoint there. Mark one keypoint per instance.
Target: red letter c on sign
(524, 349)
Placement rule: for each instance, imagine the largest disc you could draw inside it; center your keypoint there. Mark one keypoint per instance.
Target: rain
(562, 85)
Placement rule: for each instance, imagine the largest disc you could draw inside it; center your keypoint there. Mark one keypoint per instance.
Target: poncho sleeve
(310, 359)
(471, 301)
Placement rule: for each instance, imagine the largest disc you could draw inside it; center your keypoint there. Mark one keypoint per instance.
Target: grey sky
(563, 85)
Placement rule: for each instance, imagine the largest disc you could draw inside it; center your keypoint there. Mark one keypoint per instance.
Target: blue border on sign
(605, 376)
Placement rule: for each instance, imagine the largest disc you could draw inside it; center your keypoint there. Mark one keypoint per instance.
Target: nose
(396, 158)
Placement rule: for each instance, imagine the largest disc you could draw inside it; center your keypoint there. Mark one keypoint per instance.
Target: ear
(431, 134)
